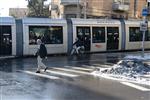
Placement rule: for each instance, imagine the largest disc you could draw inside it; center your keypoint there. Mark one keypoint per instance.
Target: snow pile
(133, 69)
(130, 68)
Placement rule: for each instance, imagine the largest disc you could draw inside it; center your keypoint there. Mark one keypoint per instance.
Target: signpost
(145, 12)
(144, 27)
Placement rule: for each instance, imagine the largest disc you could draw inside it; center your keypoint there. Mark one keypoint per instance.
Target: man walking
(41, 54)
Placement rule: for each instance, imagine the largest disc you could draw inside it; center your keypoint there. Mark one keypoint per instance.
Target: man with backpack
(41, 54)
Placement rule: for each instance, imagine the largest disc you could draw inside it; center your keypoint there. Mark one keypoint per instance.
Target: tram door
(112, 38)
(5, 40)
(83, 33)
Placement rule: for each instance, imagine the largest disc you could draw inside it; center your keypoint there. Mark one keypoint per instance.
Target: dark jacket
(42, 51)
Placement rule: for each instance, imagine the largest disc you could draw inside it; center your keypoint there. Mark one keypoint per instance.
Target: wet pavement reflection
(15, 85)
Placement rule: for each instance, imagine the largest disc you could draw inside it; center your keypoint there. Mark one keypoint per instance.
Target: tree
(38, 9)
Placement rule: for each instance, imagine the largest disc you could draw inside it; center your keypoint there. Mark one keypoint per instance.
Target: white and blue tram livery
(18, 36)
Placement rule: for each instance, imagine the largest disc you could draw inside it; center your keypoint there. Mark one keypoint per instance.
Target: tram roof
(133, 21)
(42, 21)
(7, 20)
(94, 21)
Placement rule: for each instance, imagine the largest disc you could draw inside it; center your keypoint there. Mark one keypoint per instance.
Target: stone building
(18, 12)
(97, 8)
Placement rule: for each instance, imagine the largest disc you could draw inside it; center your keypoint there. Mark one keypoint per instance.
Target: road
(67, 78)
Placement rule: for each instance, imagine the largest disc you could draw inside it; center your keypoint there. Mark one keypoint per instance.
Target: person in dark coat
(41, 54)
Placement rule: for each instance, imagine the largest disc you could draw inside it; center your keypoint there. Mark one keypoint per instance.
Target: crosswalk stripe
(81, 68)
(135, 86)
(39, 74)
(71, 70)
(61, 73)
(146, 75)
(102, 65)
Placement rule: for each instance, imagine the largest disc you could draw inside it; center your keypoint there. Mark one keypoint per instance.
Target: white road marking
(39, 74)
(148, 76)
(62, 73)
(102, 66)
(71, 70)
(81, 68)
(135, 86)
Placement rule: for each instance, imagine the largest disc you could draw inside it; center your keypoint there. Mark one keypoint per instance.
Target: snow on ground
(132, 70)
(138, 56)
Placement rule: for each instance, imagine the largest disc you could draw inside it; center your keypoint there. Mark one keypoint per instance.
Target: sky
(6, 4)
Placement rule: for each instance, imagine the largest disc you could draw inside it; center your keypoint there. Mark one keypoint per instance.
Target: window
(48, 34)
(98, 34)
(112, 35)
(122, 1)
(135, 34)
(83, 32)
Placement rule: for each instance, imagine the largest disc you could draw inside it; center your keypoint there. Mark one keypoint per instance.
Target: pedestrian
(76, 46)
(41, 55)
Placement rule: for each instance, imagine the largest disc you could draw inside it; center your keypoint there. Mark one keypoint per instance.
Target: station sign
(143, 26)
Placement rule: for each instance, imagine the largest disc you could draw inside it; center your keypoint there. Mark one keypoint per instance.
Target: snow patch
(139, 57)
(127, 70)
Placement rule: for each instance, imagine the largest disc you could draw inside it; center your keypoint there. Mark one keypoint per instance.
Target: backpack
(42, 51)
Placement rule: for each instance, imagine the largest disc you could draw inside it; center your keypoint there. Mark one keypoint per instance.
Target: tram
(18, 36)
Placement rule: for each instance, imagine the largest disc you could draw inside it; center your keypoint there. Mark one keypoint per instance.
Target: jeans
(40, 63)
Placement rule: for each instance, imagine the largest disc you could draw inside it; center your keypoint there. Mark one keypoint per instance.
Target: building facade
(18, 12)
(97, 8)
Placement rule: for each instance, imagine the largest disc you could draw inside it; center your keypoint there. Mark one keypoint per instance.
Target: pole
(143, 43)
(143, 39)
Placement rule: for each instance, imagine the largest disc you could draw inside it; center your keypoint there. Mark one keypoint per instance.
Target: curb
(7, 57)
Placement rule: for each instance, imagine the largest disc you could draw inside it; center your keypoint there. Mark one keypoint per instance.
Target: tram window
(147, 35)
(98, 34)
(56, 34)
(135, 34)
(112, 34)
(83, 32)
(49, 35)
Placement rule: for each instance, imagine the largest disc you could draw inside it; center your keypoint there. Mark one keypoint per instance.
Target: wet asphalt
(18, 80)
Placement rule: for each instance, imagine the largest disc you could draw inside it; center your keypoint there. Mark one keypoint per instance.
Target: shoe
(45, 69)
(37, 71)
